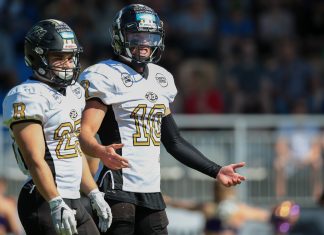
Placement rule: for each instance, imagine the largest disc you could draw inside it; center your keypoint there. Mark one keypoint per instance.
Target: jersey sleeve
(24, 106)
(98, 85)
(172, 90)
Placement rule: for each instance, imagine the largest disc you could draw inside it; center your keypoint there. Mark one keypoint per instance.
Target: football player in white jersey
(128, 101)
(44, 117)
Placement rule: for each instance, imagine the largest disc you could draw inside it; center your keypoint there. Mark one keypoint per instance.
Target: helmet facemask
(143, 47)
(59, 74)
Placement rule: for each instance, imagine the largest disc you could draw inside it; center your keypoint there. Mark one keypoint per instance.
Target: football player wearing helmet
(44, 116)
(127, 102)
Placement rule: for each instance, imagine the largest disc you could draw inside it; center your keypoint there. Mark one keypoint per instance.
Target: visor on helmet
(143, 39)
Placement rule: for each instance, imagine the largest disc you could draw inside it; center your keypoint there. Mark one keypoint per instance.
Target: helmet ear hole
(41, 71)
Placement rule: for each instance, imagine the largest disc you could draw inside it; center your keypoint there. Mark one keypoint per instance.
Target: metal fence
(224, 139)
(232, 138)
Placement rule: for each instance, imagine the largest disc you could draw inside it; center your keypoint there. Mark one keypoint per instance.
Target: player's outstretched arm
(187, 154)
(92, 118)
(228, 176)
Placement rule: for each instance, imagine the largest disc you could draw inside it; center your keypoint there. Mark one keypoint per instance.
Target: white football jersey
(138, 105)
(60, 117)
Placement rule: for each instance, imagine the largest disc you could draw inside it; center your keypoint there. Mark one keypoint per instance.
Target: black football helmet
(136, 26)
(49, 36)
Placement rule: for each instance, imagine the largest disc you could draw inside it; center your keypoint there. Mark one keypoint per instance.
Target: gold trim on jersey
(19, 111)
(86, 84)
(64, 134)
(151, 130)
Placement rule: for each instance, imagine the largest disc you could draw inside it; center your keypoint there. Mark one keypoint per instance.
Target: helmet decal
(146, 20)
(37, 32)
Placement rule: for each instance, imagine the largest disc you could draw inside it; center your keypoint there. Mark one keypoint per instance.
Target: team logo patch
(29, 90)
(77, 92)
(73, 114)
(127, 79)
(151, 96)
(161, 80)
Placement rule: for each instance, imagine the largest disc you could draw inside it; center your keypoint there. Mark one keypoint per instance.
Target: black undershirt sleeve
(183, 151)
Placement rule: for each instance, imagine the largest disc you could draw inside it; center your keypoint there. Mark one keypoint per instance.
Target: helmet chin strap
(138, 66)
(64, 75)
(127, 59)
(49, 78)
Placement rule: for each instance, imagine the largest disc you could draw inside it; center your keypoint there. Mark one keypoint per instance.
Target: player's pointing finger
(238, 165)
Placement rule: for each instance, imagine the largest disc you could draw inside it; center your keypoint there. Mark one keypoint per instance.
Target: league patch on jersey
(29, 90)
(151, 96)
(127, 79)
(73, 114)
(77, 92)
(58, 98)
(161, 80)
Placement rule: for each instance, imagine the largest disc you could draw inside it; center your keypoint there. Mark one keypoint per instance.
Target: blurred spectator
(64, 10)
(311, 220)
(7, 51)
(195, 28)
(320, 200)
(316, 95)
(231, 212)
(298, 146)
(241, 35)
(233, 100)
(7, 65)
(8, 79)
(315, 98)
(9, 221)
(247, 73)
(199, 79)
(237, 24)
(284, 217)
(226, 215)
(275, 22)
(292, 77)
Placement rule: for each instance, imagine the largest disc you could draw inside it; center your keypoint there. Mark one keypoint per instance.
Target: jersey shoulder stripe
(27, 101)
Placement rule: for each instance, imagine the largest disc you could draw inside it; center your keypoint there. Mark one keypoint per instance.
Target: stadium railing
(224, 139)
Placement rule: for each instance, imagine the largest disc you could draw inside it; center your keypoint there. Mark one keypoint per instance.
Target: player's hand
(102, 208)
(63, 217)
(227, 175)
(113, 160)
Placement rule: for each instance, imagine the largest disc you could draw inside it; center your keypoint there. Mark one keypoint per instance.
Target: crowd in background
(227, 56)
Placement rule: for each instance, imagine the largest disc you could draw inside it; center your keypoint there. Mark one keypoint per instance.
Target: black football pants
(129, 219)
(35, 215)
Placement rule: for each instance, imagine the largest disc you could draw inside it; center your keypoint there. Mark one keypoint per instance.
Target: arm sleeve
(183, 151)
